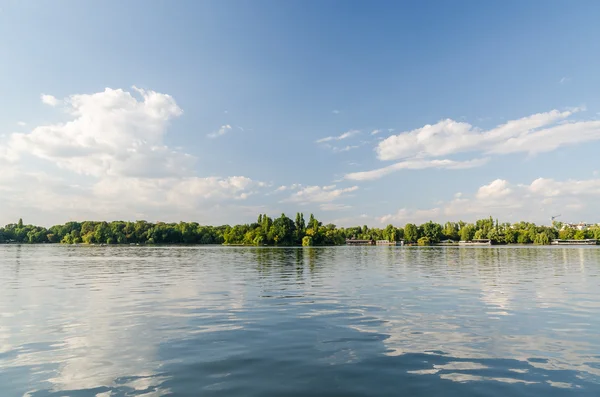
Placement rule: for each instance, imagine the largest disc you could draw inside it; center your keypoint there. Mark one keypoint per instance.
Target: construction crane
(553, 218)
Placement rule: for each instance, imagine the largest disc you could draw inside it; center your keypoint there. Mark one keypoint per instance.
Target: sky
(359, 112)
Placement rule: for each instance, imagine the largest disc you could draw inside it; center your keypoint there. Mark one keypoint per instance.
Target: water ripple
(365, 321)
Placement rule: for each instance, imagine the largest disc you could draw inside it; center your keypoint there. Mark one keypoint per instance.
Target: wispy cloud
(564, 80)
(319, 194)
(22, 123)
(345, 148)
(335, 111)
(283, 188)
(538, 133)
(414, 165)
(375, 132)
(334, 207)
(221, 131)
(345, 135)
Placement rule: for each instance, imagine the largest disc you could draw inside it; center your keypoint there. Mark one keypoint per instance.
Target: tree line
(284, 231)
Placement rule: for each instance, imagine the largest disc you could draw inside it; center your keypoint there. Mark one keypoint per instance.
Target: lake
(339, 321)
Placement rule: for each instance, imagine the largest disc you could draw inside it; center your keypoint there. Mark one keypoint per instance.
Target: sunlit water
(345, 321)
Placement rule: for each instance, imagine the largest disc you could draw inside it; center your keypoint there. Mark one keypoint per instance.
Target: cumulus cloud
(109, 161)
(221, 131)
(417, 164)
(536, 202)
(495, 190)
(283, 188)
(319, 194)
(49, 100)
(537, 133)
(432, 146)
(110, 133)
(345, 135)
(550, 188)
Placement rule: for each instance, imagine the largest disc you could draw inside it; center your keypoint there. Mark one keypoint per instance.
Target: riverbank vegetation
(284, 231)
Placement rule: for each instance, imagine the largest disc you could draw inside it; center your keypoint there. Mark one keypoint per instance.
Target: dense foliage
(284, 231)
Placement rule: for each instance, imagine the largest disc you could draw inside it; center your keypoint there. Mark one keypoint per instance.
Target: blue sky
(215, 111)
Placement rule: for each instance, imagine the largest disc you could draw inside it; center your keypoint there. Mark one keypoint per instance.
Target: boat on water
(359, 242)
(481, 241)
(388, 242)
(589, 241)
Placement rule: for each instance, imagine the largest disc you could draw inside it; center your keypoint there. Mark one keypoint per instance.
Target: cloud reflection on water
(102, 322)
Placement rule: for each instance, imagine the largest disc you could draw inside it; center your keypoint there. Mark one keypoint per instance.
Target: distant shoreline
(284, 231)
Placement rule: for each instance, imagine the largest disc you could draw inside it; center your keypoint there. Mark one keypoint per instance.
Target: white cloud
(319, 194)
(345, 135)
(414, 165)
(115, 142)
(523, 135)
(375, 132)
(334, 207)
(495, 190)
(283, 188)
(49, 100)
(221, 131)
(335, 111)
(403, 216)
(110, 133)
(186, 193)
(21, 123)
(551, 188)
(534, 202)
(564, 80)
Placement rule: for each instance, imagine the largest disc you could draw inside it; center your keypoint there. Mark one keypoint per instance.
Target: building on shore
(588, 241)
(577, 226)
(388, 242)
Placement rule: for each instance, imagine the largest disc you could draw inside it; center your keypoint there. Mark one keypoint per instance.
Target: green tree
(467, 232)
(566, 234)
(300, 226)
(451, 231)
(307, 241)
(411, 233)
(524, 237)
(494, 235)
(510, 236)
(479, 234)
(433, 231)
(390, 233)
(283, 230)
(424, 241)
(542, 239)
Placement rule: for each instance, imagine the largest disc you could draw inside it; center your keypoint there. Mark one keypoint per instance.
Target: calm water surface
(345, 321)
